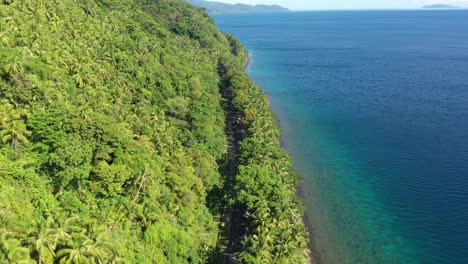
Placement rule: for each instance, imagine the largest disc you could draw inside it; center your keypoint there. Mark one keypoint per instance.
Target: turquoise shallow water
(373, 106)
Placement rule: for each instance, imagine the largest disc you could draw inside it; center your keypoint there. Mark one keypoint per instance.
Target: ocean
(373, 106)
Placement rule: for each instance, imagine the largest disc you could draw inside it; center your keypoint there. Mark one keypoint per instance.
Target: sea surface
(373, 106)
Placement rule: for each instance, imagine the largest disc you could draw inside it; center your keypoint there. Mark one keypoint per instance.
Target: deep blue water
(373, 106)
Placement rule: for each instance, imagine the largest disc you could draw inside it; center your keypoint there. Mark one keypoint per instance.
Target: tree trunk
(15, 143)
(139, 189)
(80, 192)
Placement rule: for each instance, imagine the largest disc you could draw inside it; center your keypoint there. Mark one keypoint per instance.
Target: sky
(349, 4)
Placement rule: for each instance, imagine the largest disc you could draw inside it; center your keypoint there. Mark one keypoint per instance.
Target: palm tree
(12, 252)
(7, 113)
(101, 248)
(77, 250)
(12, 127)
(144, 179)
(14, 68)
(15, 131)
(5, 39)
(43, 241)
(65, 227)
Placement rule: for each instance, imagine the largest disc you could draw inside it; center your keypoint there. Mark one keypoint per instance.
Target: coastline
(314, 255)
(366, 197)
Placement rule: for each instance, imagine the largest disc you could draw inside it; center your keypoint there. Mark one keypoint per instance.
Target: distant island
(217, 7)
(439, 6)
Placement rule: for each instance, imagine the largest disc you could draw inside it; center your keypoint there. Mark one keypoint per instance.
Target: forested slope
(113, 136)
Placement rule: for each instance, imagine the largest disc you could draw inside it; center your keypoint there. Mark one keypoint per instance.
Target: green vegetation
(112, 138)
(265, 183)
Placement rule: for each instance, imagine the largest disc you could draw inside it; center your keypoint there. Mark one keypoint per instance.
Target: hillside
(439, 6)
(218, 7)
(130, 133)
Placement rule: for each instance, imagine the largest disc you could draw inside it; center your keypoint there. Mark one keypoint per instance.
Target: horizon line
(379, 9)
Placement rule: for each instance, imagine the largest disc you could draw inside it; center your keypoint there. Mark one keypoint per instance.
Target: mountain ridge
(440, 6)
(218, 7)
